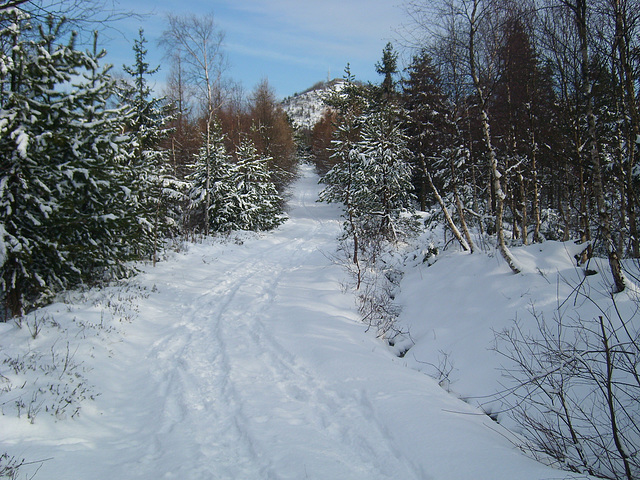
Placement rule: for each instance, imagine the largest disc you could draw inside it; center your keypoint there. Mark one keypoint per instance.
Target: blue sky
(292, 43)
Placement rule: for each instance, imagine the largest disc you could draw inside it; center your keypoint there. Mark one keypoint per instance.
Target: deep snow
(453, 309)
(244, 358)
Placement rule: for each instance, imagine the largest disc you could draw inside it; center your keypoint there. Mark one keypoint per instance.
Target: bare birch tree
(580, 10)
(476, 12)
(198, 42)
(472, 19)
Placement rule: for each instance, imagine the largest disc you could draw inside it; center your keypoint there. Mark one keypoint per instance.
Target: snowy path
(247, 362)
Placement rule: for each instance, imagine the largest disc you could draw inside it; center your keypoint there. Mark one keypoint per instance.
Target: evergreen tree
(31, 263)
(388, 68)
(349, 98)
(383, 191)
(341, 180)
(430, 127)
(521, 101)
(255, 203)
(96, 220)
(210, 186)
(150, 114)
(438, 153)
(63, 200)
(373, 178)
(157, 196)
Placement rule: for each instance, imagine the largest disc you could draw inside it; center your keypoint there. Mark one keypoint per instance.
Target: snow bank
(453, 307)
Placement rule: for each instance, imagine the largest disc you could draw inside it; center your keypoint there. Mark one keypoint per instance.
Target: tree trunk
(537, 217)
(564, 201)
(207, 197)
(460, 208)
(13, 296)
(491, 157)
(585, 229)
(495, 174)
(535, 202)
(463, 243)
(524, 219)
(594, 155)
(631, 108)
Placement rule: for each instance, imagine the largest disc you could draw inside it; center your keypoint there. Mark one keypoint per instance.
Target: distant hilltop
(305, 109)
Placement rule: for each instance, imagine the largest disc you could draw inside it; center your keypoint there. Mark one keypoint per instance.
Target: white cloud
(265, 53)
(348, 30)
(306, 37)
(370, 20)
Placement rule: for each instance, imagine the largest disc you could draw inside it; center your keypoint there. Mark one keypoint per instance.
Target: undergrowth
(45, 356)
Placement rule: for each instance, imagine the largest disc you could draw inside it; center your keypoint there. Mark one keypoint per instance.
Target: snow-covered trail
(247, 362)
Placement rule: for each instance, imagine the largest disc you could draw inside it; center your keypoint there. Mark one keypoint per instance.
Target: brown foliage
(321, 137)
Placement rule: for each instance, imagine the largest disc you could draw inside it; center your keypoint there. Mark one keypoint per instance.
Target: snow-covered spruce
(65, 203)
(255, 199)
(228, 196)
(156, 194)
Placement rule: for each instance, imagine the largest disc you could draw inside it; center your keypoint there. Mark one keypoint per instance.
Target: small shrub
(10, 466)
(574, 389)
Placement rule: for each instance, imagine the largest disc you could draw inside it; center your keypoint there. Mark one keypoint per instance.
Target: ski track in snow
(238, 393)
(247, 362)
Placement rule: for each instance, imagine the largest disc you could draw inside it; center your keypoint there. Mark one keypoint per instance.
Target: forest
(513, 123)
(98, 170)
(519, 119)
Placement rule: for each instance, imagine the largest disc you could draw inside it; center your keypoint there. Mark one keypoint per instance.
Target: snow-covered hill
(243, 358)
(306, 109)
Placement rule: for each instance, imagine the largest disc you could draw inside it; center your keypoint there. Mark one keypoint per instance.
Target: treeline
(96, 171)
(522, 120)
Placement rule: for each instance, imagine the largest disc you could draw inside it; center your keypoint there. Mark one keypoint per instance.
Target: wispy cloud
(310, 30)
(309, 37)
(365, 19)
(265, 53)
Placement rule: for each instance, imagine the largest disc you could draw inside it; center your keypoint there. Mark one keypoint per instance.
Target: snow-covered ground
(244, 358)
(454, 308)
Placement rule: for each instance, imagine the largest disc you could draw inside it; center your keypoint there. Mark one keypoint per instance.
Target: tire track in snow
(348, 435)
(198, 392)
(300, 399)
(237, 402)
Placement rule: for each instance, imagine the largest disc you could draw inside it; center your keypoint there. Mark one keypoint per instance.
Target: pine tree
(519, 102)
(28, 178)
(430, 127)
(372, 179)
(383, 190)
(256, 202)
(210, 185)
(97, 223)
(150, 115)
(63, 200)
(437, 149)
(388, 68)
(158, 199)
(341, 180)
